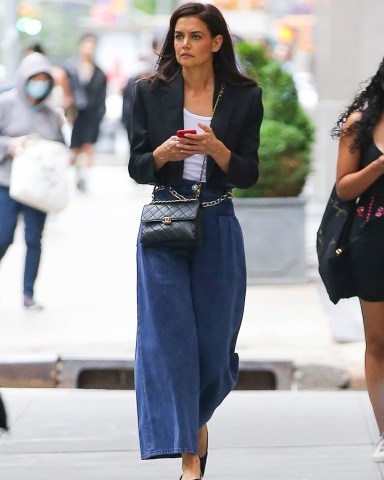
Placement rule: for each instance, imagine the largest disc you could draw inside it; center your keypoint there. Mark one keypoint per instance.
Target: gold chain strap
(181, 198)
(212, 203)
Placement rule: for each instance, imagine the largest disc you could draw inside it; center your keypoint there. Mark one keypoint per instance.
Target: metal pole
(10, 43)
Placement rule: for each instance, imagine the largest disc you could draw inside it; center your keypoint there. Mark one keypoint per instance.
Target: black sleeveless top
(368, 155)
(366, 255)
(371, 203)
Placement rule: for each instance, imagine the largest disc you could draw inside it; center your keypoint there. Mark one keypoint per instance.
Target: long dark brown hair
(224, 61)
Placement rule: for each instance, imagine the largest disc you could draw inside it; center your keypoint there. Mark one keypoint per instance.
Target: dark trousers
(190, 307)
(34, 221)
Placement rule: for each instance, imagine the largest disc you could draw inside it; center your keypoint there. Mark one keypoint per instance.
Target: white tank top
(193, 164)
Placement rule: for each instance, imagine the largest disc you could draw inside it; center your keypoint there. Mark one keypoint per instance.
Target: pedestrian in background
(360, 169)
(23, 111)
(88, 85)
(191, 299)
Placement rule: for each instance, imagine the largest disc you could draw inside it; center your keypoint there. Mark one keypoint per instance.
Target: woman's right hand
(16, 145)
(380, 164)
(168, 152)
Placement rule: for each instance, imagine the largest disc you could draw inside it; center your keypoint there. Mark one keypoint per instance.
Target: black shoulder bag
(333, 237)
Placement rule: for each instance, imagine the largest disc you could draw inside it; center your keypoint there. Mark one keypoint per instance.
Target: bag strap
(181, 198)
(198, 190)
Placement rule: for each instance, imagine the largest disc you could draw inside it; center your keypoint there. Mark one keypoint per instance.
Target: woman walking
(191, 299)
(88, 84)
(360, 171)
(24, 110)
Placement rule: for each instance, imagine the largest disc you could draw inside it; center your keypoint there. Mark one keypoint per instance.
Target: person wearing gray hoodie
(24, 111)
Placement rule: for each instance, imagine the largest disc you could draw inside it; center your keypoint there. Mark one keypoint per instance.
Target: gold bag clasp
(167, 220)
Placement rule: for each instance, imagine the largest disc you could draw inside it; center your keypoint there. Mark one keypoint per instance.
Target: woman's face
(87, 48)
(193, 42)
(37, 87)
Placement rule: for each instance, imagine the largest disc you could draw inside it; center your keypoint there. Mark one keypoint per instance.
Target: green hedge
(286, 134)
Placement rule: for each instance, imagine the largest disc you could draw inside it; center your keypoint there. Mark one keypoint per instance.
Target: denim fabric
(34, 221)
(190, 307)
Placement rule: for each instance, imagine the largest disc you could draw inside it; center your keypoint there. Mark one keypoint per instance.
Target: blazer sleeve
(243, 169)
(140, 165)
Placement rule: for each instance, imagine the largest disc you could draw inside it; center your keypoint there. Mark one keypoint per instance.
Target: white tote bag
(39, 175)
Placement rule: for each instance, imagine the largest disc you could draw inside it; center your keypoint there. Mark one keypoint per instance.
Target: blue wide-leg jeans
(190, 307)
(34, 221)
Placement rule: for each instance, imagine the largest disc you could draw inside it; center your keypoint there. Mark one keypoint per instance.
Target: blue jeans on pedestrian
(190, 307)
(34, 221)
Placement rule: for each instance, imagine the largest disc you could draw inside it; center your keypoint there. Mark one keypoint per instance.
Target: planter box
(274, 238)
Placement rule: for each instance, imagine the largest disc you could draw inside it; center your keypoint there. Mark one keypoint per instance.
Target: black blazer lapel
(172, 103)
(223, 112)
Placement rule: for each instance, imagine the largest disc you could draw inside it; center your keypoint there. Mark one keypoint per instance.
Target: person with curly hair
(191, 299)
(360, 169)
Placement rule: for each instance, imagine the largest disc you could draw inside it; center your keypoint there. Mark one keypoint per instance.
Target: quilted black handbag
(332, 245)
(175, 224)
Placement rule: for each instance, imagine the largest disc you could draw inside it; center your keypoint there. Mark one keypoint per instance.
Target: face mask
(37, 89)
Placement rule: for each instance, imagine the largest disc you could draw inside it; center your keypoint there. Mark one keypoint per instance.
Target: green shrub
(286, 132)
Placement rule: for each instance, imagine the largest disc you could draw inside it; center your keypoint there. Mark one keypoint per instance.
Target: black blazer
(158, 113)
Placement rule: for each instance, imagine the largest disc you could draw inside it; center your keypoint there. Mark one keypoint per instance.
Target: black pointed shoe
(203, 460)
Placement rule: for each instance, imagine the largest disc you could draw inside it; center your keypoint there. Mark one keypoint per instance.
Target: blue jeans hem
(171, 453)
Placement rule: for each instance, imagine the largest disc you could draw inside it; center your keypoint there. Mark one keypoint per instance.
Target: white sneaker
(31, 304)
(378, 454)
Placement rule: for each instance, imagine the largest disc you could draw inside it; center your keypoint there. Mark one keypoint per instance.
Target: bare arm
(61, 79)
(351, 182)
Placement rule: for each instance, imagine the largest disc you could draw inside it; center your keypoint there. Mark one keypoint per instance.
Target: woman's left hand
(205, 143)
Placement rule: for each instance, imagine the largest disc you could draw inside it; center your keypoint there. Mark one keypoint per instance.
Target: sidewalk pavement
(92, 435)
(87, 284)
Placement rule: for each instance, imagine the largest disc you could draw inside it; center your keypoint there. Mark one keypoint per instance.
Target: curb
(118, 373)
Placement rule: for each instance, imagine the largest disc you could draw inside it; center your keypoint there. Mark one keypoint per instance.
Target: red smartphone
(181, 133)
